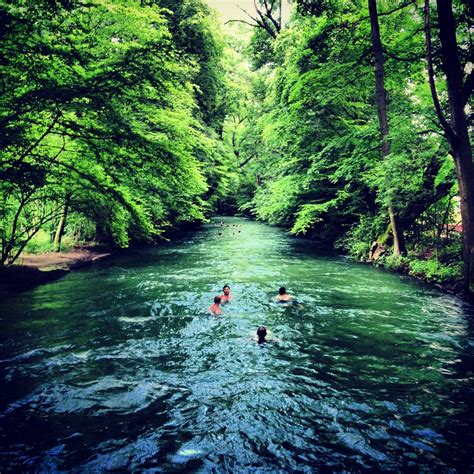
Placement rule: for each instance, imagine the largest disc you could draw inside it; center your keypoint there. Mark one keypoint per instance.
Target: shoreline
(36, 269)
(452, 288)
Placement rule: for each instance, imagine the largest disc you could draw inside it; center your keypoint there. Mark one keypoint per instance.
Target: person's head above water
(226, 289)
(261, 333)
(282, 290)
(217, 299)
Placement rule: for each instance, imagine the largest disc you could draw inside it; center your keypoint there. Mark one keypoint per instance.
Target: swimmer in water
(264, 335)
(215, 308)
(261, 333)
(226, 297)
(283, 296)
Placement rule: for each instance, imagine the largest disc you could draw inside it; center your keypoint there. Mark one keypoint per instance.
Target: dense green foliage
(113, 108)
(320, 170)
(125, 119)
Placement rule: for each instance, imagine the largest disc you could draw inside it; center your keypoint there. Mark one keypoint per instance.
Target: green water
(120, 366)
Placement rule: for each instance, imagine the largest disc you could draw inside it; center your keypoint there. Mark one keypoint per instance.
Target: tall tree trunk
(381, 99)
(62, 224)
(460, 145)
(457, 129)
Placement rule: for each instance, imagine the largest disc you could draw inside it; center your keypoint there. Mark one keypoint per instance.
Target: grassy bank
(437, 261)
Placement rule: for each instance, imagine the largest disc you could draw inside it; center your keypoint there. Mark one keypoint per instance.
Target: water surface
(120, 366)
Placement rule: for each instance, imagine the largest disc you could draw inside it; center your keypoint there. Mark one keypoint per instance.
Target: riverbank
(36, 269)
(422, 266)
(447, 277)
(452, 287)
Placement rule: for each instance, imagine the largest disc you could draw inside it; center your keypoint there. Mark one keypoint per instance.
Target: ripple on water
(121, 367)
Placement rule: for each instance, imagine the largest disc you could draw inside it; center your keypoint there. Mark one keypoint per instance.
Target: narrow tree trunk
(398, 239)
(381, 99)
(102, 234)
(9, 241)
(457, 130)
(62, 223)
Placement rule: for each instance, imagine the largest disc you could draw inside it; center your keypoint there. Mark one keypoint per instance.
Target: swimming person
(283, 296)
(226, 297)
(264, 335)
(286, 299)
(215, 308)
(261, 333)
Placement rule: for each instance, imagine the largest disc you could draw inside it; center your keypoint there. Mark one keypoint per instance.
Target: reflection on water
(120, 366)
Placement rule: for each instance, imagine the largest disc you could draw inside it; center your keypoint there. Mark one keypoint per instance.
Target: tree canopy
(322, 170)
(348, 123)
(113, 107)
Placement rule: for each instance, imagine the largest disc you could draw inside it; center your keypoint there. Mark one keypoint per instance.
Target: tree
(99, 109)
(266, 18)
(381, 100)
(320, 167)
(456, 130)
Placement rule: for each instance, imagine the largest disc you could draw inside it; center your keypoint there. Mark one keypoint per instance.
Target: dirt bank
(76, 258)
(34, 269)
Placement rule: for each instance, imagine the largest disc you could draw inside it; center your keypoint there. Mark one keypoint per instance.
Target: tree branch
(269, 15)
(253, 155)
(40, 139)
(44, 219)
(262, 23)
(400, 7)
(253, 25)
(399, 58)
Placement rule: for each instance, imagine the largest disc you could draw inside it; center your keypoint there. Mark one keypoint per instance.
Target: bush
(394, 262)
(80, 228)
(358, 250)
(451, 252)
(67, 243)
(356, 242)
(40, 243)
(434, 271)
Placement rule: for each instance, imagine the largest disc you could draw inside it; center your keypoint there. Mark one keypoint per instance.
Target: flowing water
(121, 367)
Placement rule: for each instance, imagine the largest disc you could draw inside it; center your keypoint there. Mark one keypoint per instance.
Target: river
(121, 367)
